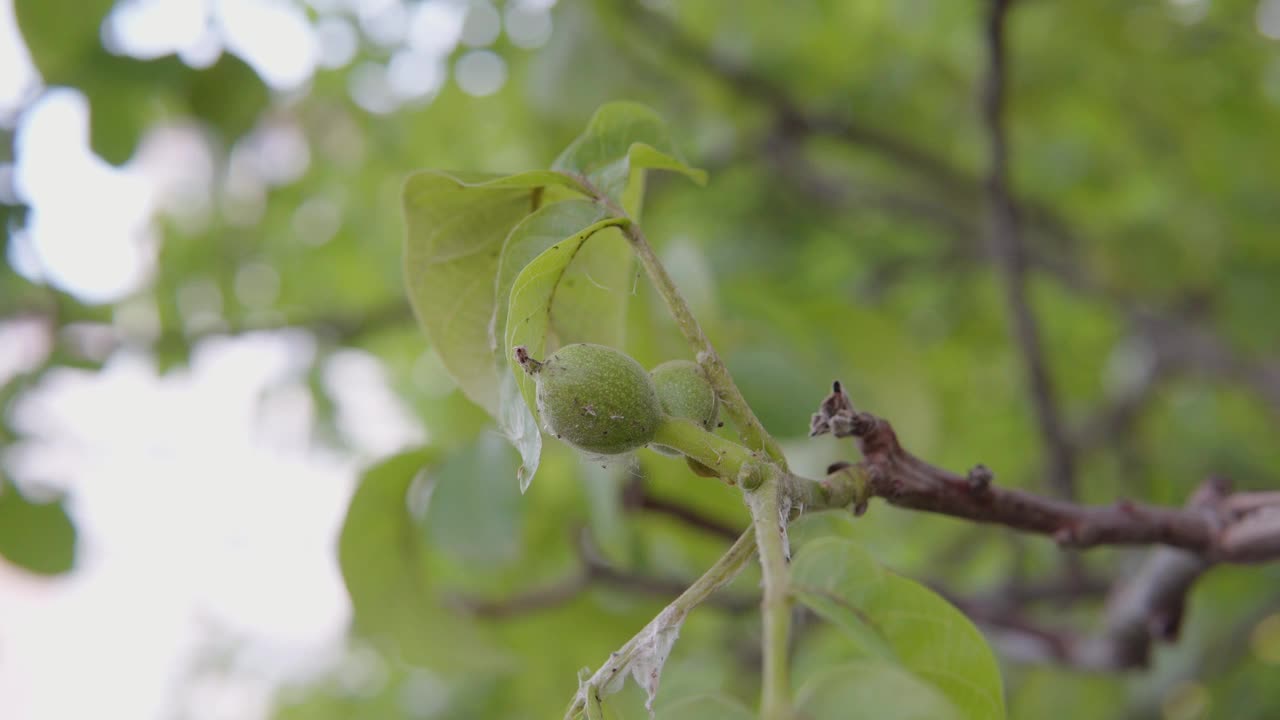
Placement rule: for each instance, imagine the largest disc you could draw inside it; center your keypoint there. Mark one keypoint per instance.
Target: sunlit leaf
(620, 142)
(895, 619)
(37, 536)
(872, 690)
(456, 226)
(537, 232)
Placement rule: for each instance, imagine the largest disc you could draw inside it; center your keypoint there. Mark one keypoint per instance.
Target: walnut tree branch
(1239, 528)
(1146, 607)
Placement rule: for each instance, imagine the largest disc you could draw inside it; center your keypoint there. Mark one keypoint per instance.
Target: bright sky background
(207, 512)
(207, 520)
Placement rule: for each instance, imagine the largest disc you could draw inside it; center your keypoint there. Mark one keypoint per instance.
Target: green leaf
(721, 707)
(872, 690)
(557, 294)
(456, 226)
(384, 557)
(469, 238)
(892, 618)
(620, 142)
(475, 512)
(537, 232)
(37, 536)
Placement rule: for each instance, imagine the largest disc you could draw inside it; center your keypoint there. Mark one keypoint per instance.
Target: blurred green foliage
(839, 236)
(35, 534)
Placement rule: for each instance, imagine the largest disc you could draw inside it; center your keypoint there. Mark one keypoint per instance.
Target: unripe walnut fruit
(595, 398)
(685, 392)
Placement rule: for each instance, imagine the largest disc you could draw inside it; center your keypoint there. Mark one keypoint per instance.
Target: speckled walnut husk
(597, 399)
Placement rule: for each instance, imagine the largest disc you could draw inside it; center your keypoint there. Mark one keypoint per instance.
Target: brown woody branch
(1144, 608)
(1239, 528)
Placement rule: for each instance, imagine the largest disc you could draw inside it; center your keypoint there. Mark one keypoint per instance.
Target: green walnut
(595, 398)
(684, 392)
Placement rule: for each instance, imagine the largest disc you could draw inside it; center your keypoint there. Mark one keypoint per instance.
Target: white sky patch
(148, 29)
(357, 382)
(413, 74)
(436, 26)
(180, 165)
(273, 36)
(482, 25)
(1269, 19)
(279, 150)
(208, 520)
(370, 88)
(24, 343)
(338, 42)
(384, 21)
(527, 27)
(481, 72)
(88, 230)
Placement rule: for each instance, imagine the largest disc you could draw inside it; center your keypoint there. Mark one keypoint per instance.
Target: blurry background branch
(1009, 254)
(1054, 248)
(594, 572)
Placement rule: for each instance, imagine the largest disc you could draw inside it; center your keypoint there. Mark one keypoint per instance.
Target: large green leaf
(456, 226)
(384, 559)
(892, 618)
(872, 690)
(37, 536)
(471, 239)
(620, 142)
(556, 295)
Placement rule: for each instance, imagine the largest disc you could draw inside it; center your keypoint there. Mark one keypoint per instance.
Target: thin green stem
(619, 663)
(848, 486)
(725, 457)
(735, 406)
(771, 528)
(768, 521)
